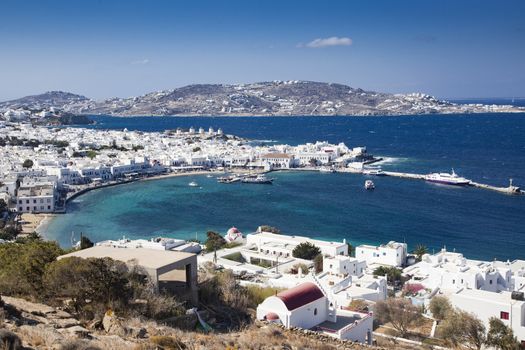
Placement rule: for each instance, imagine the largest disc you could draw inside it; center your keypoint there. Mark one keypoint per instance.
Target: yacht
(259, 179)
(193, 184)
(369, 185)
(447, 179)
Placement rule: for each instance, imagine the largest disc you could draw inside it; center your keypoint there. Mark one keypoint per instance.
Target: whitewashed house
(451, 271)
(390, 254)
(509, 307)
(306, 306)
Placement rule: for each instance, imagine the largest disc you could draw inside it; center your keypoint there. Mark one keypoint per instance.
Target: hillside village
(275, 98)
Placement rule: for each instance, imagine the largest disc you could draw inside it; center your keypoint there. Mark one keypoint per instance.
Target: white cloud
(144, 61)
(325, 42)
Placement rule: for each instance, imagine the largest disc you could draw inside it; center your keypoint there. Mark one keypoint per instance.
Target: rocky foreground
(27, 325)
(279, 98)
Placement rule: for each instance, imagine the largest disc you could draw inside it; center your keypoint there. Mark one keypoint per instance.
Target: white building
(276, 161)
(451, 271)
(507, 306)
(277, 245)
(306, 306)
(37, 197)
(391, 254)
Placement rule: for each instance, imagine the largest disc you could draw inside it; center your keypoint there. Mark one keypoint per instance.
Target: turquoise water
(479, 223)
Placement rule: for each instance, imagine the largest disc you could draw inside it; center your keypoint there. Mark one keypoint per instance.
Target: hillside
(280, 98)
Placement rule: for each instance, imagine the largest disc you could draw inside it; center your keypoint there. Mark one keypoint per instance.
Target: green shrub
(306, 250)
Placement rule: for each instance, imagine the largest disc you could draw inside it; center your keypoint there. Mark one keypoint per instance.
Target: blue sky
(124, 48)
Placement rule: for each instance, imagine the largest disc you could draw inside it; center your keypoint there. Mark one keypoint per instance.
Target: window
(504, 315)
(315, 312)
(490, 282)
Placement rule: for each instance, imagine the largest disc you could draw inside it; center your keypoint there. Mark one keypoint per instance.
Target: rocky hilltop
(280, 98)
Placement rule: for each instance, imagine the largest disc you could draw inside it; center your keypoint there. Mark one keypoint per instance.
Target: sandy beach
(31, 222)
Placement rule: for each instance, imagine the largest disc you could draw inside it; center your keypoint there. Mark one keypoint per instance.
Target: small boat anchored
(193, 184)
(259, 179)
(369, 185)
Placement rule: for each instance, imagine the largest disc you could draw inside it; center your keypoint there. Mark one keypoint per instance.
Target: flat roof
(502, 297)
(149, 258)
(295, 240)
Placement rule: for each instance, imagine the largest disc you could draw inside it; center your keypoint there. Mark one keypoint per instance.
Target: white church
(306, 306)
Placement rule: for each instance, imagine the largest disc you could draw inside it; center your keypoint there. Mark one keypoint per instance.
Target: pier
(506, 190)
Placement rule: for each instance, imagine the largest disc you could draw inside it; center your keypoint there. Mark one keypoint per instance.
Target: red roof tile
(301, 295)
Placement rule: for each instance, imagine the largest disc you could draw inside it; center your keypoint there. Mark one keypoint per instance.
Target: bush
(257, 295)
(268, 228)
(214, 241)
(392, 274)
(101, 283)
(440, 307)
(28, 163)
(358, 305)
(167, 342)
(295, 269)
(306, 250)
(9, 340)
(22, 266)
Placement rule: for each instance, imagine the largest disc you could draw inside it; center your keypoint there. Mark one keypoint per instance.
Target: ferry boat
(447, 179)
(369, 185)
(259, 179)
(193, 184)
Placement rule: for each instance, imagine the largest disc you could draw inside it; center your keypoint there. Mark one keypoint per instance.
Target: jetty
(511, 189)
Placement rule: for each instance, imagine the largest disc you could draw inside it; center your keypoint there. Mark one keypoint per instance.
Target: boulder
(9, 340)
(112, 324)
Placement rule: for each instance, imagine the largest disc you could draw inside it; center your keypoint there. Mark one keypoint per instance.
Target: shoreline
(30, 222)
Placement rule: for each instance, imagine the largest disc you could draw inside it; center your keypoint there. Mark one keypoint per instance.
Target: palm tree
(420, 251)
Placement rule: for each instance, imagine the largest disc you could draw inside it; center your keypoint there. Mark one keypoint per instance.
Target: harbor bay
(481, 224)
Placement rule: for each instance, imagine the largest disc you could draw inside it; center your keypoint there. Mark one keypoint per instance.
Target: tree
(306, 251)
(420, 251)
(9, 233)
(440, 307)
(500, 336)
(22, 266)
(91, 154)
(85, 242)
(318, 263)
(392, 274)
(351, 249)
(214, 241)
(104, 283)
(268, 228)
(399, 312)
(28, 163)
(461, 328)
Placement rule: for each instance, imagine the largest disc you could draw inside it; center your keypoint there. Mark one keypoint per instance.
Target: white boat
(447, 179)
(375, 172)
(209, 176)
(193, 184)
(259, 179)
(369, 185)
(326, 169)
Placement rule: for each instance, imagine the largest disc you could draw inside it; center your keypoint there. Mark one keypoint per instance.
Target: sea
(481, 224)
